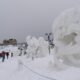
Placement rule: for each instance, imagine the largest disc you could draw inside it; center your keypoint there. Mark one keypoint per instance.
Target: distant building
(10, 42)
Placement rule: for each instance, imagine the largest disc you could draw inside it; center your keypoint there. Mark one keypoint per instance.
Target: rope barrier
(38, 73)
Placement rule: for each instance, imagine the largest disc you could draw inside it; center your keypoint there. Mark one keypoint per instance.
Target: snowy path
(38, 74)
(23, 72)
(27, 74)
(40, 67)
(11, 70)
(19, 68)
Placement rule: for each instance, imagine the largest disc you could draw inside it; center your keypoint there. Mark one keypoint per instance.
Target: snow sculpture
(36, 47)
(66, 30)
(32, 47)
(43, 47)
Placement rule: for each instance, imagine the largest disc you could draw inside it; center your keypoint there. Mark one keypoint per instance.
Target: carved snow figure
(66, 30)
(43, 47)
(36, 47)
(32, 47)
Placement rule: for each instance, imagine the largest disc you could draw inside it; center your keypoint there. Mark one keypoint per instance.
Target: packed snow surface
(20, 68)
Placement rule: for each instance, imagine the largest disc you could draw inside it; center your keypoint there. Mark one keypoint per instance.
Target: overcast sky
(19, 18)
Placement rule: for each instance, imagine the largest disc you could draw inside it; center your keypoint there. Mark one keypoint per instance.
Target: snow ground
(13, 69)
(44, 66)
(21, 68)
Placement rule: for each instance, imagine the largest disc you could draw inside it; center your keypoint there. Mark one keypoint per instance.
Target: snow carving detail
(68, 39)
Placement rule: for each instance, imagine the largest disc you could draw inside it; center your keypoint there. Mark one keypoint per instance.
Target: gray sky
(19, 18)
